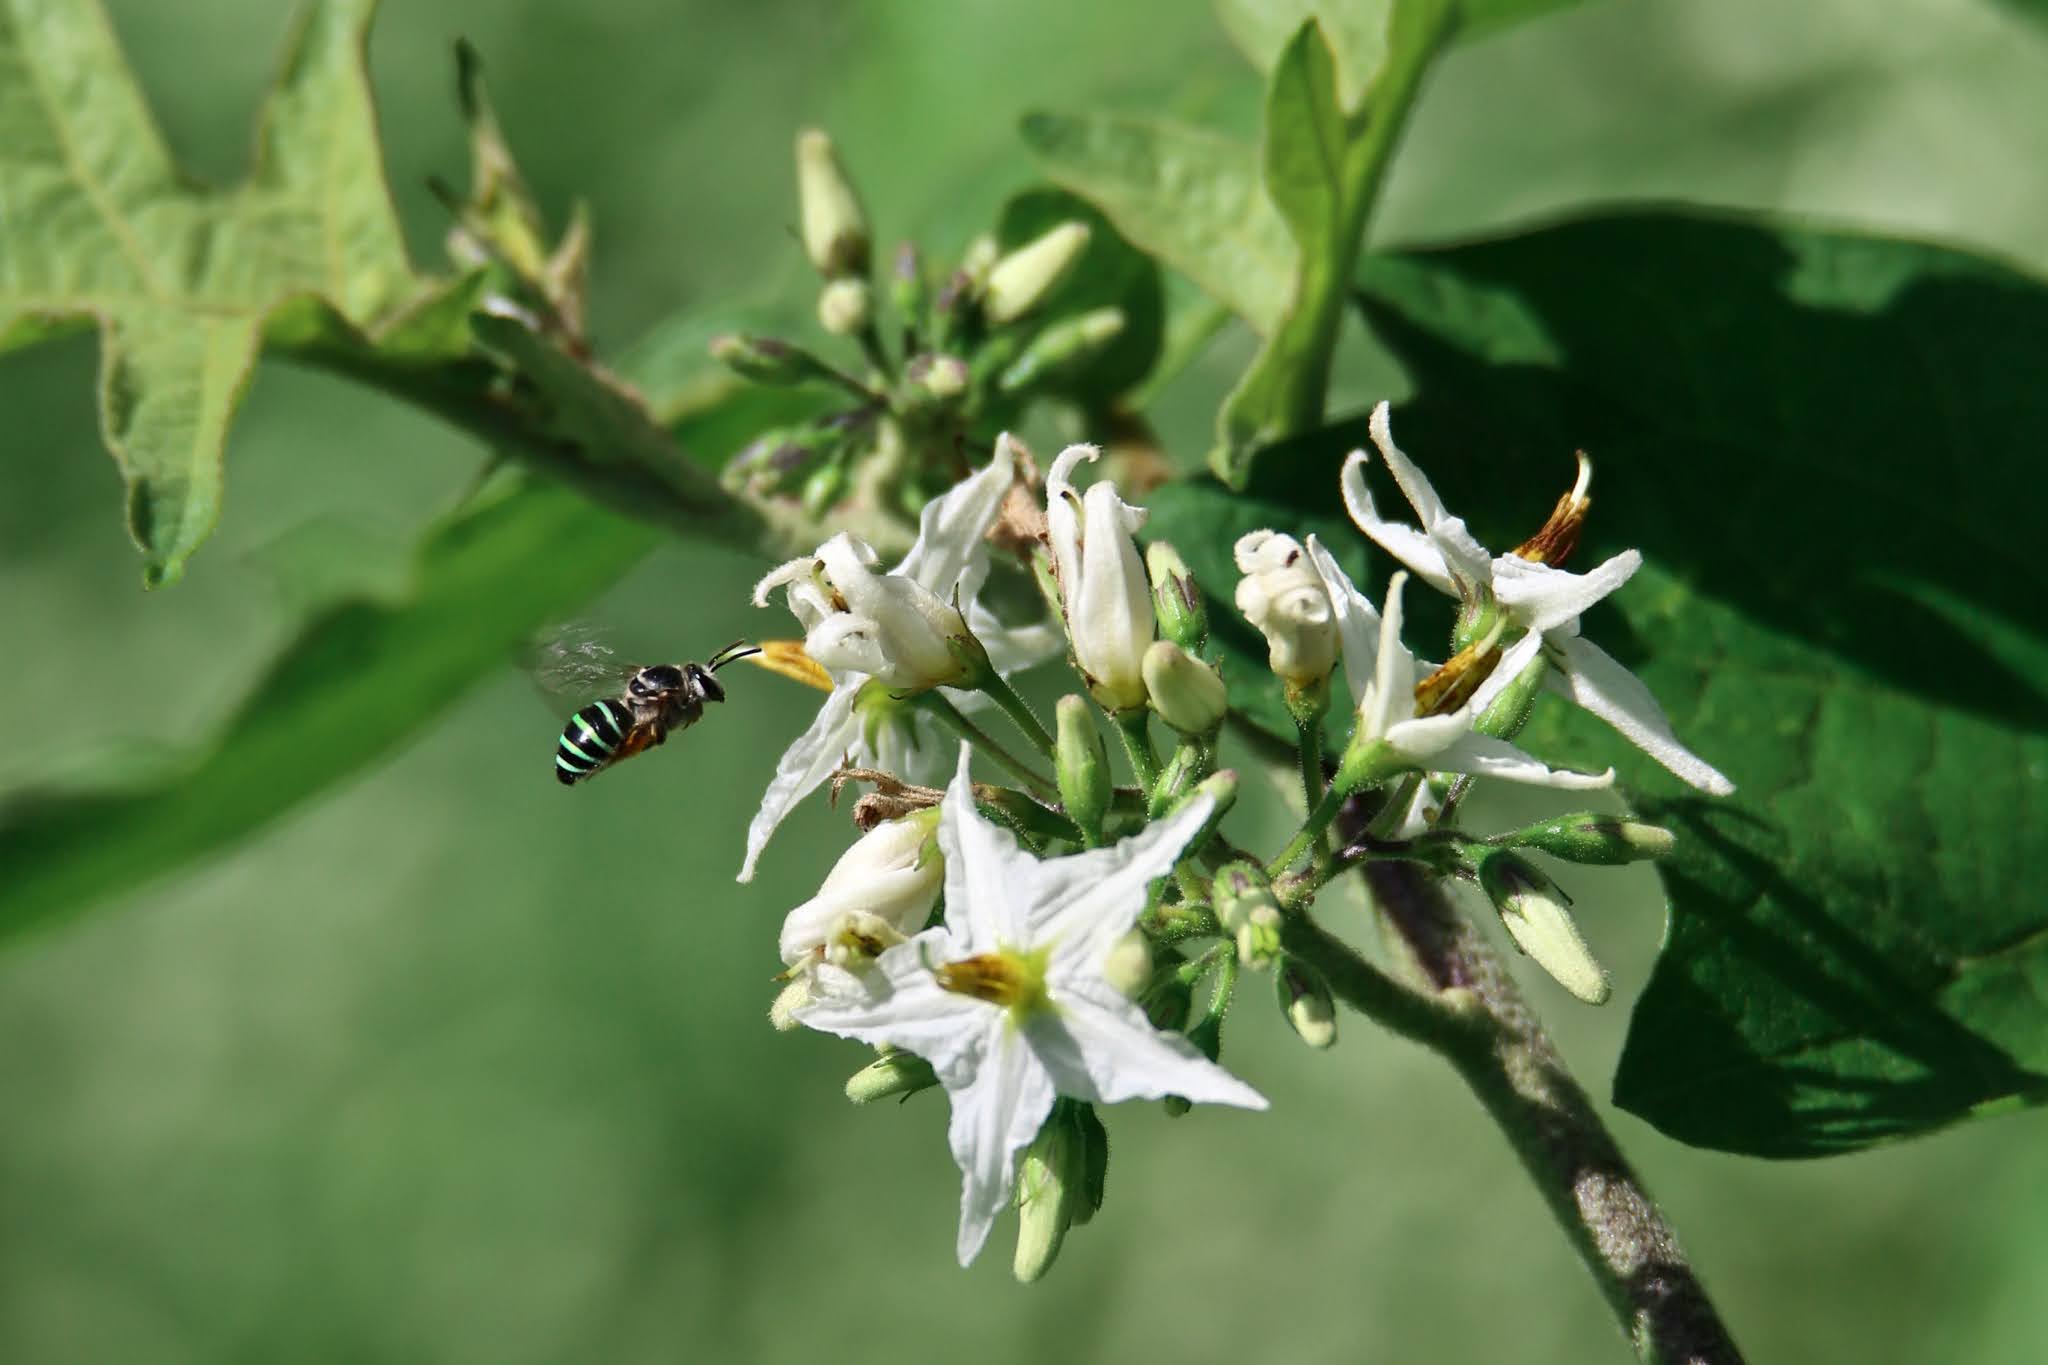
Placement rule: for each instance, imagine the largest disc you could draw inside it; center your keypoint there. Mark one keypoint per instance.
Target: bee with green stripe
(656, 700)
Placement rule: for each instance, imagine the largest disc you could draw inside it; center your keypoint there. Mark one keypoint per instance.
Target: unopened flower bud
(1081, 765)
(1238, 889)
(1021, 280)
(942, 377)
(1306, 1001)
(1103, 588)
(765, 360)
(1067, 345)
(1283, 596)
(1537, 917)
(845, 306)
(1129, 964)
(1054, 1188)
(980, 257)
(892, 1074)
(1186, 692)
(1587, 837)
(835, 226)
(1176, 599)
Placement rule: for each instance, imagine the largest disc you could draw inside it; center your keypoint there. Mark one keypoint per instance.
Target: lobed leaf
(180, 280)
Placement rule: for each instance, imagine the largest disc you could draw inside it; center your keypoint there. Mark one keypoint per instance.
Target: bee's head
(704, 682)
(656, 680)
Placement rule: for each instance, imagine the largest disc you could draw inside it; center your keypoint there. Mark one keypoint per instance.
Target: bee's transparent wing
(573, 666)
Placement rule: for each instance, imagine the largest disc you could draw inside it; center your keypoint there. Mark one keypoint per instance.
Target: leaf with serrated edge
(179, 279)
(1827, 445)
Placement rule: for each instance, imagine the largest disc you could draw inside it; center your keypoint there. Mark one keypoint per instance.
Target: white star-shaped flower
(1008, 1000)
(948, 562)
(1382, 674)
(1545, 601)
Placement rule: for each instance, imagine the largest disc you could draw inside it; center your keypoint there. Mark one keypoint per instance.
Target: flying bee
(655, 700)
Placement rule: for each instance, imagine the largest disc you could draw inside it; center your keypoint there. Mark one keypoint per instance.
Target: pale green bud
(1258, 942)
(845, 306)
(1238, 889)
(1081, 764)
(890, 1075)
(766, 360)
(1129, 964)
(1186, 692)
(1066, 345)
(1176, 600)
(1020, 281)
(1306, 1001)
(979, 258)
(835, 226)
(1587, 837)
(1535, 911)
(944, 377)
(1058, 1185)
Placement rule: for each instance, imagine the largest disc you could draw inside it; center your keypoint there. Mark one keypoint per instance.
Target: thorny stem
(946, 711)
(1468, 1010)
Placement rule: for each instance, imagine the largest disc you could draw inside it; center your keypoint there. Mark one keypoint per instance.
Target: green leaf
(1110, 274)
(1323, 167)
(360, 679)
(1827, 445)
(1188, 196)
(179, 280)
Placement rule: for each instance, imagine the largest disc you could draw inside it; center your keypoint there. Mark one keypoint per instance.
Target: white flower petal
(900, 1002)
(951, 528)
(995, 1116)
(988, 877)
(1592, 678)
(803, 768)
(1464, 556)
(1358, 621)
(1485, 756)
(1392, 696)
(1099, 1046)
(1090, 900)
(1518, 657)
(1543, 598)
(1412, 547)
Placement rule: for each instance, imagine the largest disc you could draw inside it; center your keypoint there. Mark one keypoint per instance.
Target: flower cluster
(1037, 950)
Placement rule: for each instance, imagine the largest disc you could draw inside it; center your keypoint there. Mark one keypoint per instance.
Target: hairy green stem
(1132, 725)
(939, 705)
(1014, 706)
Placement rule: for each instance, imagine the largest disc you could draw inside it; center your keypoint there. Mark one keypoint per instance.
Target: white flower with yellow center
(1383, 673)
(1009, 1002)
(1544, 600)
(893, 629)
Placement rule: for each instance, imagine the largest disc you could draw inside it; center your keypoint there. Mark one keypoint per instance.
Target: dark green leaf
(1190, 197)
(1357, 30)
(1828, 446)
(1110, 274)
(180, 280)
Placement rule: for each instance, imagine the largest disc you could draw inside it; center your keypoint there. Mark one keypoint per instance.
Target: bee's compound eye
(706, 683)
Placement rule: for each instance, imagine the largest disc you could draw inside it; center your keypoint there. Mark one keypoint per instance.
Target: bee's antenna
(738, 649)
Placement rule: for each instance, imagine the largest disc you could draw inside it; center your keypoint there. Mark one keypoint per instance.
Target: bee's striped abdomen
(591, 739)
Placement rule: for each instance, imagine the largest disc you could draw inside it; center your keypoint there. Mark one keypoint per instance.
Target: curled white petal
(1592, 678)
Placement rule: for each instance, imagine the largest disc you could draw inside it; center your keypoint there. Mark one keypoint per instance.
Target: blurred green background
(454, 1066)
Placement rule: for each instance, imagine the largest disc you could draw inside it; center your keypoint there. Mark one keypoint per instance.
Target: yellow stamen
(1452, 685)
(1559, 536)
(1015, 981)
(787, 657)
